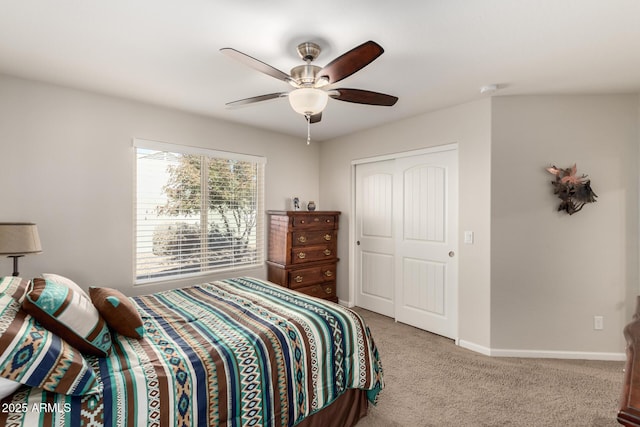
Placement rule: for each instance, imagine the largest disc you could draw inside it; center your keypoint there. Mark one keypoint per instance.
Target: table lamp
(18, 239)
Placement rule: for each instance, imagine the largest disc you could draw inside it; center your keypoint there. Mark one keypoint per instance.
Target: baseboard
(542, 354)
(344, 303)
(474, 347)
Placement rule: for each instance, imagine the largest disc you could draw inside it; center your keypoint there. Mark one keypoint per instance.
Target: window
(197, 211)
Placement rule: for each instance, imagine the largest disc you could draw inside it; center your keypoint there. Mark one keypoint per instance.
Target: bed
(236, 352)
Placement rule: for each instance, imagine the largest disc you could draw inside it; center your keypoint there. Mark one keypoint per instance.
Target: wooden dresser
(303, 251)
(629, 413)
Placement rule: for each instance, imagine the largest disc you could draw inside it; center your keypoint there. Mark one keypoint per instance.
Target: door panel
(377, 195)
(377, 275)
(424, 211)
(424, 285)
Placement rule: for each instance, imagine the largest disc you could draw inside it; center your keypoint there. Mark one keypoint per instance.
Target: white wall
(469, 126)
(551, 272)
(67, 165)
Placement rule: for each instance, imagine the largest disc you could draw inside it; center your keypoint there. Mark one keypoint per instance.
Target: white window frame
(209, 153)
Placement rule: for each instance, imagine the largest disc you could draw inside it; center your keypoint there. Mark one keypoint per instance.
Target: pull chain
(308, 117)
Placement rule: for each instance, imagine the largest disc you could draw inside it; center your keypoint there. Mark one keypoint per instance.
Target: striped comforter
(237, 352)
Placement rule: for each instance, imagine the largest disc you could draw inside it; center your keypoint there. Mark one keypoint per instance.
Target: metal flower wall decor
(574, 191)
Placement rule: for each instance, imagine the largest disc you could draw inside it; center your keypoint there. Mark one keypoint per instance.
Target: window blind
(197, 211)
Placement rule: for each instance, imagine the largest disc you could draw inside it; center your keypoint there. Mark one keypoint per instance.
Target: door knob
(451, 254)
(358, 242)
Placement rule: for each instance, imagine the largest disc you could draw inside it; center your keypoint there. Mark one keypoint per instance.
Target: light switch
(468, 237)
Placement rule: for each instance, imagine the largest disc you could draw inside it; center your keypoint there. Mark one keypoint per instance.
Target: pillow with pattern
(66, 282)
(68, 314)
(32, 355)
(13, 286)
(118, 311)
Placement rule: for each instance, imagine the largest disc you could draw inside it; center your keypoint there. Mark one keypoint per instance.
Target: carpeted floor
(432, 382)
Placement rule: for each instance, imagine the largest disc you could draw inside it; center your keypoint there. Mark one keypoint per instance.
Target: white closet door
(426, 244)
(406, 236)
(375, 259)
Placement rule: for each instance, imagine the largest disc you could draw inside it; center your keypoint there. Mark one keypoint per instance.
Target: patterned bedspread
(237, 352)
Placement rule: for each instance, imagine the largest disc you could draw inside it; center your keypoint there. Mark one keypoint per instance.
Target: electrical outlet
(598, 323)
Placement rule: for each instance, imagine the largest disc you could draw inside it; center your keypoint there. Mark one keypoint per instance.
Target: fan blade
(316, 118)
(350, 62)
(256, 64)
(254, 99)
(360, 96)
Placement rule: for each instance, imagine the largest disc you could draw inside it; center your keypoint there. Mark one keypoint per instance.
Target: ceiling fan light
(322, 81)
(308, 100)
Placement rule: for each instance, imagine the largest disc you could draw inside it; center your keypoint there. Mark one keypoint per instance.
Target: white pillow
(7, 387)
(66, 282)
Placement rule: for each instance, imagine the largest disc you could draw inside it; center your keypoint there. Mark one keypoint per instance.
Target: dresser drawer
(315, 221)
(306, 238)
(300, 278)
(305, 254)
(327, 290)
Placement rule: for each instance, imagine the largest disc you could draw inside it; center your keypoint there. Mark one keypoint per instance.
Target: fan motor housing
(305, 74)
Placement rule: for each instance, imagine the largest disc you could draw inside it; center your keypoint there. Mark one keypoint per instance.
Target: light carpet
(432, 382)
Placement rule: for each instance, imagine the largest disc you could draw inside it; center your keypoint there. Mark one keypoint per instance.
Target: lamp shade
(19, 238)
(308, 100)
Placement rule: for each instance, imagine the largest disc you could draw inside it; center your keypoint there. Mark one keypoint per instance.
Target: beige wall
(467, 125)
(67, 164)
(551, 272)
(531, 282)
(534, 278)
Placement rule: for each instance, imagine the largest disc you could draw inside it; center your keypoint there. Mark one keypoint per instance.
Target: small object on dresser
(311, 206)
(302, 251)
(296, 204)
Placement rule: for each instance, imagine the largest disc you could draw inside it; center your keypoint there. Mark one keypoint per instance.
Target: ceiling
(437, 53)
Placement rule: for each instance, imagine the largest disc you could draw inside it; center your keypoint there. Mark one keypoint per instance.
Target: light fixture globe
(308, 101)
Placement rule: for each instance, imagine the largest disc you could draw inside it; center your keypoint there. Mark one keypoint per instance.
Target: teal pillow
(68, 314)
(66, 282)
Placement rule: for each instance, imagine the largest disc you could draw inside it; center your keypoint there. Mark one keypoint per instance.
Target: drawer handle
(327, 237)
(298, 279)
(328, 290)
(316, 219)
(327, 252)
(302, 221)
(328, 221)
(302, 239)
(328, 273)
(302, 255)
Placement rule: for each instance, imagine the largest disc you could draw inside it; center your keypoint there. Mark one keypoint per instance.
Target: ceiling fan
(312, 83)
